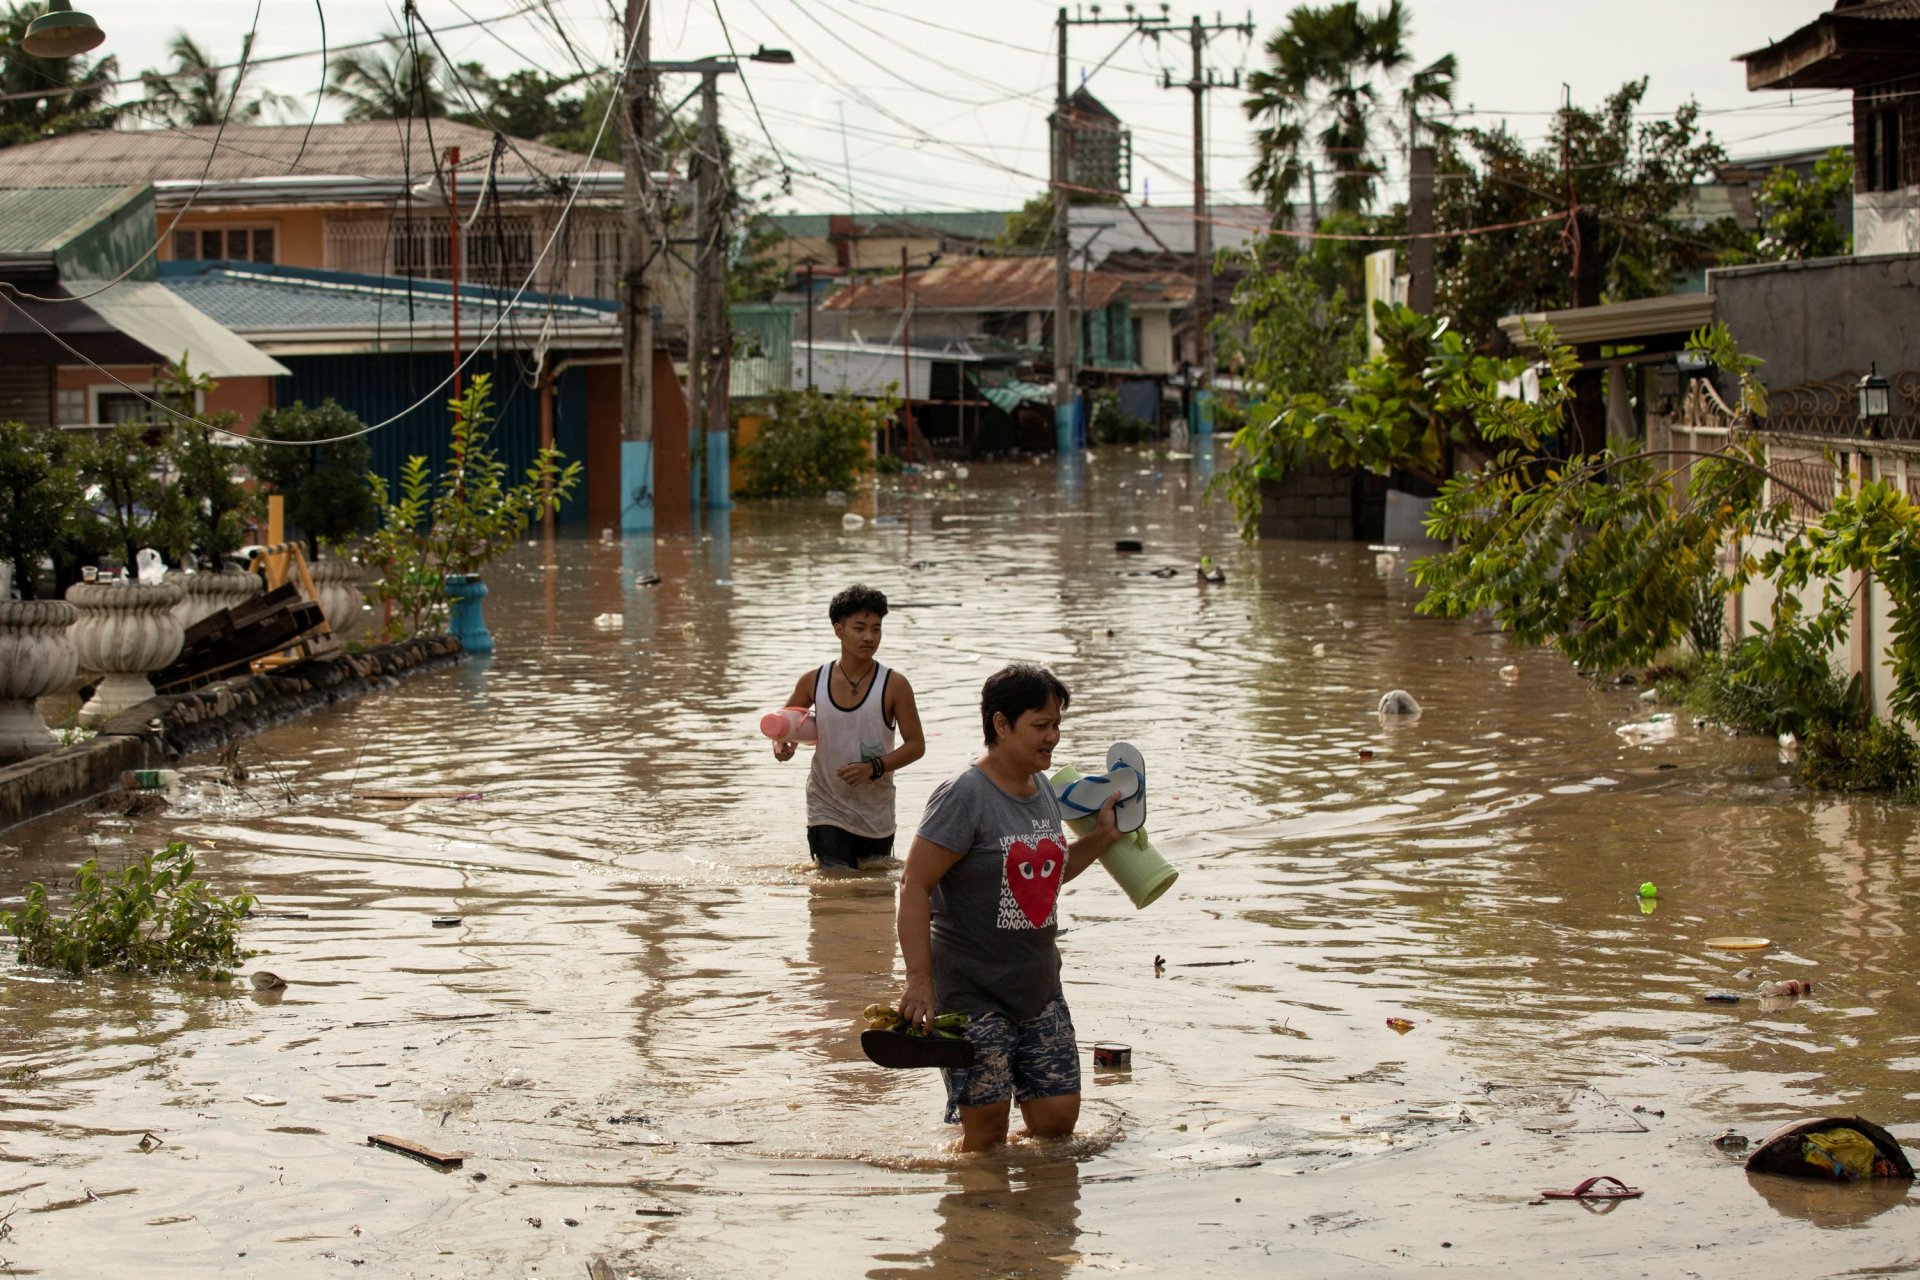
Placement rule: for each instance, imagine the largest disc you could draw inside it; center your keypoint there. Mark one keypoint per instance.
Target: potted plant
(316, 459)
(39, 489)
(435, 540)
(216, 508)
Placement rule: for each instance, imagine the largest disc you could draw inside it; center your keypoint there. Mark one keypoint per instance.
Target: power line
(233, 95)
(485, 340)
(62, 90)
(785, 169)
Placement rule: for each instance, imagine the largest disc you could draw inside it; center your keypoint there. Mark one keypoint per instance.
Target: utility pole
(1063, 352)
(636, 299)
(710, 344)
(1203, 79)
(1066, 330)
(1420, 281)
(906, 359)
(453, 251)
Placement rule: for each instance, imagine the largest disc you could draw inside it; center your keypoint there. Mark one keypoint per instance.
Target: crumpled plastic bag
(1845, 1154)
(153, 570)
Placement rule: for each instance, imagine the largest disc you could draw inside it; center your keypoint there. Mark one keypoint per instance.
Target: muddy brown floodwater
(642, 1031)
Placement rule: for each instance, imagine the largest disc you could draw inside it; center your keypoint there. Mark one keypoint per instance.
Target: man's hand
(784, 750)
(860, 771)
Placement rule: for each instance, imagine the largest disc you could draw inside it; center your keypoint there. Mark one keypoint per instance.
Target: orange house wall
(244, 396)
(299, 235)
(603, 446)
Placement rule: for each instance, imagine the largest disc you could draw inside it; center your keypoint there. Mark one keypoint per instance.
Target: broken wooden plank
(408, 1147)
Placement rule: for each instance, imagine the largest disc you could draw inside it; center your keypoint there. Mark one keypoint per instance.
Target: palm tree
(1318, 95)
(67, 94)
(195, 92)
(375, 88)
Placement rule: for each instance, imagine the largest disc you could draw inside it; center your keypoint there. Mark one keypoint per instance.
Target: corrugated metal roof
(154, 315)
(258, 299)
(1891, 9)
(1109, 229)
(366, 149)
(1010, 284)
(37, 220)
(963, 224)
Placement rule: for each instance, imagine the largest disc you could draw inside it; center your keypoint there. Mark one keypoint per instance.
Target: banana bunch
(884, 1017)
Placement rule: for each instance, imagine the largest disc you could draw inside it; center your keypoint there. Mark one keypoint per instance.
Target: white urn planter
(204, 594)
(126, 633)
(338, 585)
(36, 658)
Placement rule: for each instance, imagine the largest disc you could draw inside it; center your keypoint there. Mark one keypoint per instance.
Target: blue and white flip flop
(1083, 796)
(1124, 759)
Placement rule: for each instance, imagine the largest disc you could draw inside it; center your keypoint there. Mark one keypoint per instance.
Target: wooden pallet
(234, 640)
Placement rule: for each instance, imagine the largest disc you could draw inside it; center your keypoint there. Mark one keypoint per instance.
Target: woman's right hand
(784, 750)
(916, 1003)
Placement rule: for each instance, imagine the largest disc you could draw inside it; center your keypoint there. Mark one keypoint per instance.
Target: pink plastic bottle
(790, 724)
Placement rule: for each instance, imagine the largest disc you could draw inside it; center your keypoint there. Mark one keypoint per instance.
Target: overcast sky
(896, 104)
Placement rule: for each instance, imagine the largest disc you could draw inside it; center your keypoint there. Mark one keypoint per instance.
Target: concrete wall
(1812, 320)
(1887, 221)
(1317, 503)
(1156, 342)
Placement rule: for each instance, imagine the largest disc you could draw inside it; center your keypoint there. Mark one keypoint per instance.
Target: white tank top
(848, 734)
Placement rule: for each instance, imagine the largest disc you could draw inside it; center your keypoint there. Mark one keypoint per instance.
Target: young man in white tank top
(859, 705)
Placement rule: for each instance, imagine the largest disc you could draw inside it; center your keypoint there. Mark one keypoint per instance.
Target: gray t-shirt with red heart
(993, 912)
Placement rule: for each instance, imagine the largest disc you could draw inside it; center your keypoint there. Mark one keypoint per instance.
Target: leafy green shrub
(459, 523)
(39, 496)
(328, 499)
(136, 505)
(1775, 682)
(217, 509)
(811, 443)
(153, 917)
(1877, 756)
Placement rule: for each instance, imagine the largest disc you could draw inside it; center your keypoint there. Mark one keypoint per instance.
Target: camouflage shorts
(1032, 1059)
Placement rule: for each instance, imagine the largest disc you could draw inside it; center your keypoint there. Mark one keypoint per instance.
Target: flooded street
(642, 1032)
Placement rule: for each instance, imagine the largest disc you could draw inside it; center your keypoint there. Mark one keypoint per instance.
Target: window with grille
(494, 250)
(224, 244)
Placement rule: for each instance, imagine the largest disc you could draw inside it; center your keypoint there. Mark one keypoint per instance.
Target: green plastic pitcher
(1135, 865)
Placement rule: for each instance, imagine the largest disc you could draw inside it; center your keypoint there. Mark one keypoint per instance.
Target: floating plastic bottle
(150, 779)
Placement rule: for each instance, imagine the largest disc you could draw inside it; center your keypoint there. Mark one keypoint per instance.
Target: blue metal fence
(376, 387)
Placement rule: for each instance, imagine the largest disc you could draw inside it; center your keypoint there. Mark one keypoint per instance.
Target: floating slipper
(1082, 797)
(1592, 1190)
(1124, 758)
(898, 1049)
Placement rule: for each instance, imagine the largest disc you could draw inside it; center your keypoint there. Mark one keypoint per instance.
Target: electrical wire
(319, 7)
(233, 95)
(59, 91)
(751, 100)
(485, 339)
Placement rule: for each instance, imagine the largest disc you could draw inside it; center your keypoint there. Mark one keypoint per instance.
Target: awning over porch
(1658, 322)
(157, 318)
(1011, 394)
(133, 322)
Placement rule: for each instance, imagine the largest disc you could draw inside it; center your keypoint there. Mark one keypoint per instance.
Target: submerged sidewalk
(166, 728)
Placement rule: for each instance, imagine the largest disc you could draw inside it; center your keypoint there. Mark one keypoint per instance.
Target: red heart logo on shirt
(1034, 875)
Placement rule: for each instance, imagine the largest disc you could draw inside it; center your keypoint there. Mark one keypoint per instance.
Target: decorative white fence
(498, 250)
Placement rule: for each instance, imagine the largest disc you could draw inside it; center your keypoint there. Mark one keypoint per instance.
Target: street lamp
(61, 33)
(1873, 401)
